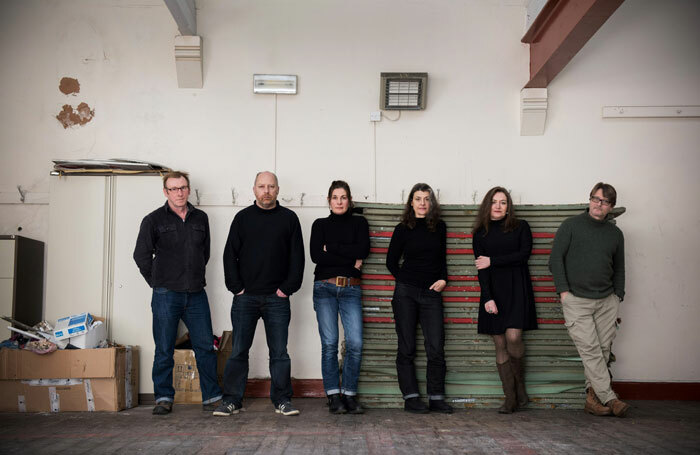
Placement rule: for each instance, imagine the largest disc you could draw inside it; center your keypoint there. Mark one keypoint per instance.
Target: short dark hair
(335, 184)
(408, 218)
(176, 175)
(483, 218)
(608, 191)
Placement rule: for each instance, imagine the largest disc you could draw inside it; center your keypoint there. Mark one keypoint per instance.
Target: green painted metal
(554, 372)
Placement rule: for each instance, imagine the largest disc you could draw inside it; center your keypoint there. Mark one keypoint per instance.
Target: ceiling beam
(560, 30)
(185, 15)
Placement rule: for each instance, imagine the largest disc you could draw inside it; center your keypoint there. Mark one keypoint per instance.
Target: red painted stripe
(388, 320)
(476, 299)
(463, 250)
(388, 287)
(369, 276)
(461, 235)
(461, 299)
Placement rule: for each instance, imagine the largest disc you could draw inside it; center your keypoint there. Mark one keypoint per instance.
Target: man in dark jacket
(263, 266)
(588, 266)
(171, 252)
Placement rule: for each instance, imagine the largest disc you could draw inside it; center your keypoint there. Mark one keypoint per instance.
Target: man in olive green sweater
(588, 266)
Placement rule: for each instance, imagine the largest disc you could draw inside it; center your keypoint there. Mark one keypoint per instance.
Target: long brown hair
(483, 218)
(408, 217)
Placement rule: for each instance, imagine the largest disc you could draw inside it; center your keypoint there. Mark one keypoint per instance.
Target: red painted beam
(388, 320)
(461, 235)
(368, 276)
(561, 29)
(462, 250)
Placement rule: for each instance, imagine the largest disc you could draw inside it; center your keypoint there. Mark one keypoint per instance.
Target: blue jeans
(193, 308)
(245, 312)
(329, 300)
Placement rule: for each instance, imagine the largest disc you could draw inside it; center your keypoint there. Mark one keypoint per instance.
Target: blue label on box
(79, 328)
(58, 334)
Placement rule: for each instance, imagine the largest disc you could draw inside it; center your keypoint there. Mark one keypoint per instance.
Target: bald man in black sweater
(263, 266)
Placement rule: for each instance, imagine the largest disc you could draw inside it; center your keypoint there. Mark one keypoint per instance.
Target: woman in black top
(339, 243)
(502, 246)
(421, 239)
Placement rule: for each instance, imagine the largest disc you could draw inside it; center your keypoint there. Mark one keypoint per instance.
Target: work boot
(352, 405)
(619, 408)
(335, 404)
(440, 406)
(594, 406)
(518, 366)
(415, 405)
(505, 371)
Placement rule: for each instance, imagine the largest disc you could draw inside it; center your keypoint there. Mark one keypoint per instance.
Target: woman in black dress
(502, 247)
(421, 239)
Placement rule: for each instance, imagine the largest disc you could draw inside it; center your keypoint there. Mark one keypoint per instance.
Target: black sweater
(172, 253)
(346, 238)
(424, 254)
(264, 252)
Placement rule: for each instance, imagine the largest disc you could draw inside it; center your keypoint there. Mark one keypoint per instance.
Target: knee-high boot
(518, 366)
(508, 381)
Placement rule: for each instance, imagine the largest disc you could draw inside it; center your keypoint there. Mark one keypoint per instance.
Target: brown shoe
(508, 382)
(594, 406)
(619, 408)
(518, 367)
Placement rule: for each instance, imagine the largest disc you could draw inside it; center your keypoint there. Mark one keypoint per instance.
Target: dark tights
(508, 345)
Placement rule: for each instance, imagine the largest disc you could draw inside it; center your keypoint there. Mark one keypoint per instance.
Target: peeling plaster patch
(80, 116)
(69, 86)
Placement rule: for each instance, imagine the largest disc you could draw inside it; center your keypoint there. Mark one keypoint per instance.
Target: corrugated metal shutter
(554, 373)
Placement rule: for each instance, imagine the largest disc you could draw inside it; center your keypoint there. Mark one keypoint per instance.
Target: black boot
(335, 404)
(415, 405)
(351, 404)
(508, 382)
(440, 406)
(518, 367)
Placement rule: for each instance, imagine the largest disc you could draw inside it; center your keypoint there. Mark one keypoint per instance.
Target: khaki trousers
(591, 325)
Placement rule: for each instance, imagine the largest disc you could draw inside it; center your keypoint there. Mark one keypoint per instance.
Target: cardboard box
(70, 380)
(186, 376)
(72, 326)
(92, 338)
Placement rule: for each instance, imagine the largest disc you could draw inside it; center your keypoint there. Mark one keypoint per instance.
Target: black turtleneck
(346, 238)
(424, 254)
(264, 251)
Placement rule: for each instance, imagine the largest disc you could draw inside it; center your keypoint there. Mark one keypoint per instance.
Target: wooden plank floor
(653, 427)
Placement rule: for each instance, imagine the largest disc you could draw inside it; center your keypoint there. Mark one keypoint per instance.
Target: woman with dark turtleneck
(421, 239)
(502, 246)
(338, 245)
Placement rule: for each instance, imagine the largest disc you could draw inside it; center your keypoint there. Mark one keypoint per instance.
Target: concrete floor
(653, 427)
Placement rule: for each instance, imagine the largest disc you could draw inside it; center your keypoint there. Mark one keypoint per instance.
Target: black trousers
(412, 305)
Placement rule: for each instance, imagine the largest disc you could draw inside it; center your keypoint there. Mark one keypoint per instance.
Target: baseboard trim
(313, 388)
(683, 391)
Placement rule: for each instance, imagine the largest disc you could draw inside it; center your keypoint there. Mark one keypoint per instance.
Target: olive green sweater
(588, 258)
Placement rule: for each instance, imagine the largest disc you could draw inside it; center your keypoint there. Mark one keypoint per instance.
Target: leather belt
(343, 281)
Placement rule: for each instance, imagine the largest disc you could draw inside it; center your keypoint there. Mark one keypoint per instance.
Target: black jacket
(172, 253)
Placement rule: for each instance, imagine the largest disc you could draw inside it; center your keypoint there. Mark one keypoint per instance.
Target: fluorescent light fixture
(285, 84)
(403, 91)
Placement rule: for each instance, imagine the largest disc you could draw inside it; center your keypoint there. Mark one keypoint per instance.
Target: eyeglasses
(178, 189)
(597, 200)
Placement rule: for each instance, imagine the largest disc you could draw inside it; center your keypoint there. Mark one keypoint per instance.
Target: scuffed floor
(653, 427)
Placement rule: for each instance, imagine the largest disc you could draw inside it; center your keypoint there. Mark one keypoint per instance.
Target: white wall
(466, 141)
